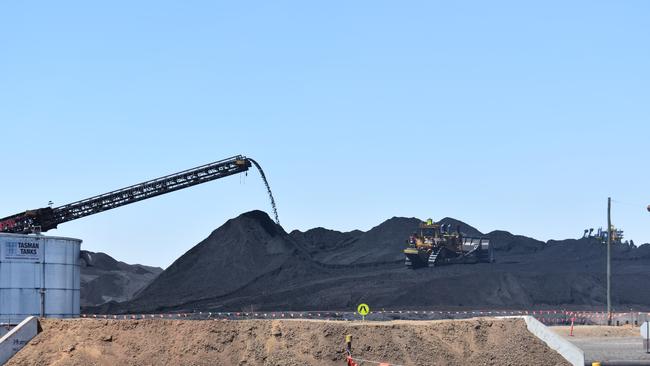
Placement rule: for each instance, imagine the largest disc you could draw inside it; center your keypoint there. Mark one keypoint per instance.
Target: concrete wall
(17, 338)
(565, 348)
(560, 345)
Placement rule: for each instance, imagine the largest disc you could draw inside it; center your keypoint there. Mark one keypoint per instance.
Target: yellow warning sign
(363, 309)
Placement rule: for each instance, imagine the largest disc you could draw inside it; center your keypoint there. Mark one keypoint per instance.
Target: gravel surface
(608, 344)
(580, 331)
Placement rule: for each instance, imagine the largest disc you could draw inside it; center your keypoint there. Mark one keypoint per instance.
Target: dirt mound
(284, 342)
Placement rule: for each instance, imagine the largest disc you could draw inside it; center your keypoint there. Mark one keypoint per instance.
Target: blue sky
(521, 116)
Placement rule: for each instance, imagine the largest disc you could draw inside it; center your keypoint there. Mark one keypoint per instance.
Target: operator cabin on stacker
(437, 244)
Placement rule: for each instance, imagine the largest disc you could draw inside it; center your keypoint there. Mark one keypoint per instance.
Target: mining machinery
(436, 244)
(601, 235)
(48, 218)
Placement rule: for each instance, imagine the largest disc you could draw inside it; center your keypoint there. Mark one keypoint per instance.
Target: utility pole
(609, 261)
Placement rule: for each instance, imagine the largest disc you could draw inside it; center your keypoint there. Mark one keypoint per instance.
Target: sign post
(363, 310)
(645, 334)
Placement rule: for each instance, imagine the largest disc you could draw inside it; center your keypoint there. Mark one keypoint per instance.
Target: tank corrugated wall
(39, 275)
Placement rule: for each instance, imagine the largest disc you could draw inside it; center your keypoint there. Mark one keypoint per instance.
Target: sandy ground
(581, 331)
(483, 341)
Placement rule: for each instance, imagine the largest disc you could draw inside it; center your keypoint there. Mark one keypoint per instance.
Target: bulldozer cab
(427, 235)
(432, 235)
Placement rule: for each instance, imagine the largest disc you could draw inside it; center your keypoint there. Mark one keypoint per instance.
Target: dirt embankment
(284, 342)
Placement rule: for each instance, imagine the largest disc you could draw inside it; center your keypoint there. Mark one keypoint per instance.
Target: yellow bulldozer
(437, 244)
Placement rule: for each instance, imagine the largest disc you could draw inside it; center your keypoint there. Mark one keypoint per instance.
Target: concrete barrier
(17, 338)
(565, 348)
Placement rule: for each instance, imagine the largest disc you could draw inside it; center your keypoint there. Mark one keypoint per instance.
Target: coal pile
(246, 251)
(251, 263)
(381, 244)
(104, 279)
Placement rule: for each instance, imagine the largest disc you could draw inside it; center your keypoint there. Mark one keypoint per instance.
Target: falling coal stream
(268, 189)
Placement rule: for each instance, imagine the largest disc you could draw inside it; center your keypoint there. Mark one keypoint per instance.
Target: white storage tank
(39, 275)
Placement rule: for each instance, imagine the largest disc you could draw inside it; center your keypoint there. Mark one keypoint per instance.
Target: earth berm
(483, 341)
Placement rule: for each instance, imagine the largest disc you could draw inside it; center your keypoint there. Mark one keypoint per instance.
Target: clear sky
(521, 116)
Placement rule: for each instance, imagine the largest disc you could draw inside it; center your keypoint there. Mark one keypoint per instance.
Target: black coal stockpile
(104, 279)
(251, 263)
(245, 251)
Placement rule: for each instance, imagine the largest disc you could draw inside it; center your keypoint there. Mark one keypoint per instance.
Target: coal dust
(268, 189)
